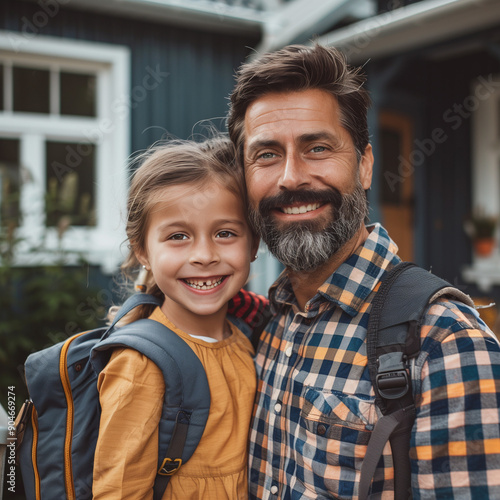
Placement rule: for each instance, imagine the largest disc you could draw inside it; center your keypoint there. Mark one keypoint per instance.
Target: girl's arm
(131, 391)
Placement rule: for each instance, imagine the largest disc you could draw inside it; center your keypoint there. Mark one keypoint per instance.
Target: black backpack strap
(393, 339)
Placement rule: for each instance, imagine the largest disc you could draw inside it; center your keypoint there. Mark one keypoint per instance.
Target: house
(119, 75)
(433, 69)
(85, 84)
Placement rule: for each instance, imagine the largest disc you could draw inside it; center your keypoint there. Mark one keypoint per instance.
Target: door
(397, 180)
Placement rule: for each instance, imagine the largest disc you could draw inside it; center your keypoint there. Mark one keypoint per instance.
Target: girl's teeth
(204, 285)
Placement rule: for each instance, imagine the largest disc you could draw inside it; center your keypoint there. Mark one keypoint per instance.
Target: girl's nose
(203, 253)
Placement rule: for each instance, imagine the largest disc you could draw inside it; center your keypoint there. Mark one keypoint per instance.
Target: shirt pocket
(334, 430)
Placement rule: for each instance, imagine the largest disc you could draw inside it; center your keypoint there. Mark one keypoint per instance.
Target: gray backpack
(58, 427)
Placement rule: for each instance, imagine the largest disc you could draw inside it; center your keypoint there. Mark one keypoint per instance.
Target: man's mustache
(284, 198)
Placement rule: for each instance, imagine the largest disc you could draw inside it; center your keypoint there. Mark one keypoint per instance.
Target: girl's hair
(172, 164)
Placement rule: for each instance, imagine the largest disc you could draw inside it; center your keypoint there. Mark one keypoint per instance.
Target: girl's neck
(213, 325)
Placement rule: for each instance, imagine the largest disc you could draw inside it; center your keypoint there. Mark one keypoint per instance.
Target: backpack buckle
(392, 378)
(170, 467)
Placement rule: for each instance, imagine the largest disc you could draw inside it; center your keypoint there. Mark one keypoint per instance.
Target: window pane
(10, 183)
(70, 198)
(78, 94)
(2, 106)
(31, 90)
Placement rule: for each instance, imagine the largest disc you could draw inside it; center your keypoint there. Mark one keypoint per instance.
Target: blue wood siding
(200, 65)
(432, 90)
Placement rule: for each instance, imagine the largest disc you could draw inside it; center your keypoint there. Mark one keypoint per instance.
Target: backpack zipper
(34, 445)
(68, 465)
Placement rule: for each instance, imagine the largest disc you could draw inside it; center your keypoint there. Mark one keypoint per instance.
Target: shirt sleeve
(252, 308)
(456, 439)
(131, 390)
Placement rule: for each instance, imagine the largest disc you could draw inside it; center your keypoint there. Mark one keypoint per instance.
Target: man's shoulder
(447, 317)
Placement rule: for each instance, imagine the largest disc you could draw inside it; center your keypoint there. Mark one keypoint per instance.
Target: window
(10, 182)
(64, 144)
(485, 97)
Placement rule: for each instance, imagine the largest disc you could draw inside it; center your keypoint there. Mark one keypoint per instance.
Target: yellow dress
(131, 390)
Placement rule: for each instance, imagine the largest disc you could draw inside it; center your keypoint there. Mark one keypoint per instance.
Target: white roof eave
(204, 14)
(413, 26)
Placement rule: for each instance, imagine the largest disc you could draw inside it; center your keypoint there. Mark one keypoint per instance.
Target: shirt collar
(354, 279)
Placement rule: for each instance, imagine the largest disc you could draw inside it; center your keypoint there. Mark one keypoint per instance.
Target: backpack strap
(393, 339)
(187, 394)
(139, 299)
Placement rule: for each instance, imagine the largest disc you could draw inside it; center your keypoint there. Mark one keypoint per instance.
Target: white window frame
(109, 130)
(485, 271)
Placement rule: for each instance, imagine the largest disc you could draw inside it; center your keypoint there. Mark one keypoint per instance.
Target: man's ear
(366, 168)
(255, 247)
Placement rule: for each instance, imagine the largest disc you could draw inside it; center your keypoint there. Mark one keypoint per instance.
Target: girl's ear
(142, 258)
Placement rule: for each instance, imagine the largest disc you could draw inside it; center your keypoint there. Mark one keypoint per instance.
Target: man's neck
(305, 284)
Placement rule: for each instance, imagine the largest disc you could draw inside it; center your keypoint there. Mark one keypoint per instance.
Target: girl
(187, 227)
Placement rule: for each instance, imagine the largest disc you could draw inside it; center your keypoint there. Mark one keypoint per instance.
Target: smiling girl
(187, 227)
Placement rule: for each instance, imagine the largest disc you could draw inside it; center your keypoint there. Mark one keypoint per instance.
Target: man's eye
(178, 237)
(225, 234)
(267, 155)
(318, 149)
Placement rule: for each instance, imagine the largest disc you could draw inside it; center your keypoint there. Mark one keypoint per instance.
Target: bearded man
(298, 121)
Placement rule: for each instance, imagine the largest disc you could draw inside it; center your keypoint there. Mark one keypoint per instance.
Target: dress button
(321, 429)
(274, 489)
(277, 407)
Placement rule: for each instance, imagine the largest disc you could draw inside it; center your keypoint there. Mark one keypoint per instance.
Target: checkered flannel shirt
(315, 406)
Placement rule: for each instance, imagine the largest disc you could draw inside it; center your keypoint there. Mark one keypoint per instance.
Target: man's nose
(295, 173)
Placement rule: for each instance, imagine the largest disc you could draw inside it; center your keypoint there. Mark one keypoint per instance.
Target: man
(298, 120)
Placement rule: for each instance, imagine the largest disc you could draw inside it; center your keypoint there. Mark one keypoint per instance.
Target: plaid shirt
(315, 405)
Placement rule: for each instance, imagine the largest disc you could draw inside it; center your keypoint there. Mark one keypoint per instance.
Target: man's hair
(294, 69)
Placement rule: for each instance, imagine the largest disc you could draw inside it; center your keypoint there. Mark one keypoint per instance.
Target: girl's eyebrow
(239, 222)
(182, 224)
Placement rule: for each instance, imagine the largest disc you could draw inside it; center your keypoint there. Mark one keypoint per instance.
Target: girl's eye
(178, 237)
(225, 234)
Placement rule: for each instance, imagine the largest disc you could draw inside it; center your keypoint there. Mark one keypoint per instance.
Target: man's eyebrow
(262, 143)
(304, 138)
(319, 136)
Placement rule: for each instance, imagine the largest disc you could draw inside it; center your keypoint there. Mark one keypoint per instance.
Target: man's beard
(306, 245)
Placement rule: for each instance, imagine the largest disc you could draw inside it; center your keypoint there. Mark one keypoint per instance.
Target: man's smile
(300, 209)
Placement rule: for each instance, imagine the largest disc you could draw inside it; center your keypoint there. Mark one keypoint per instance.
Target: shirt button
(274, 489)
(321, 429)
(277, 407)
(288, 350)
